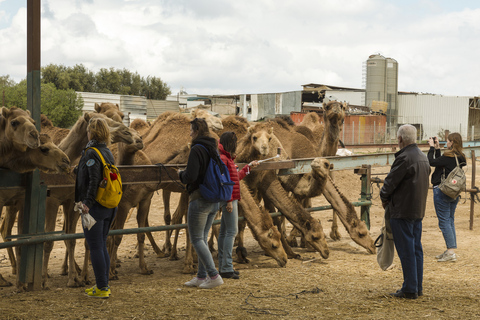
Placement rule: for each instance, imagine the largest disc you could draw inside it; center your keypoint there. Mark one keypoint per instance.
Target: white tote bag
(384, 244)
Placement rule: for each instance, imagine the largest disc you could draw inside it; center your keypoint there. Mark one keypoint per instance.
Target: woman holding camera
(444, 205)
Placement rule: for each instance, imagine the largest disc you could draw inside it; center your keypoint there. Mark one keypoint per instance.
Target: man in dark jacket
(405, 193)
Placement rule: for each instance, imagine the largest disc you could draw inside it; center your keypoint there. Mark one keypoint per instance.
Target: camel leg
(241, 251)
(4, 283)
(167, 218)
(71, 219)
(142, 218)
(51, 211)
(21, 287)
(178, 215)
(334, 234)
(84, 276)
(114, 242)
(292, 237)
(6, 231)
(160, 253)
(214, 234)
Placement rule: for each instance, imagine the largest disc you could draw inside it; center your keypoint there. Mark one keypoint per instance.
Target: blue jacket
(406, 186)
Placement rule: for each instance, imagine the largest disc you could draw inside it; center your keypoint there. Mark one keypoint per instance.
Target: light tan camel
(17, 131)
(48, 158)
(261, 143)
(333, 117)
(312, 121)
(214, 123)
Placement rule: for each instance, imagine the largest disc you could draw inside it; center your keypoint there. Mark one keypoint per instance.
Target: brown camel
(312, 122)
(214, 123)
(110, 110)
(333, 117)
(261, 143)
(57, 134)
(141, 126)
(48, 158)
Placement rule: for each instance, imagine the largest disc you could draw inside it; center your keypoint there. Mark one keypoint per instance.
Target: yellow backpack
(109, 192)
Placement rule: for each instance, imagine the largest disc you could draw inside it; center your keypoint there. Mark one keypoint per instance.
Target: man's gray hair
(408, 133)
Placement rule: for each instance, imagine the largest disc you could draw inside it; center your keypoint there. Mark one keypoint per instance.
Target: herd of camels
(56, 150)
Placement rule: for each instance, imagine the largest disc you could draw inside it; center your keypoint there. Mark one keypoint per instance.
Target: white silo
(382, 86)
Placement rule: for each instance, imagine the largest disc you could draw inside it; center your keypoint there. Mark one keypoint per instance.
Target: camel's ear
(270, 130)
(118, 107)
(5, 112)
(270, 232)
(345, 105)
(354, 223)
(249, 130)
(97, 107)
(331, 166)
(194, 113)
(87, 116)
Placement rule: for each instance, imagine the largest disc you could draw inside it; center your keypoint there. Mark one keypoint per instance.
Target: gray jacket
(406, 186)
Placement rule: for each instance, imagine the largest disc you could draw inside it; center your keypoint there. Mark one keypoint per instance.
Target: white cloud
(221, 47)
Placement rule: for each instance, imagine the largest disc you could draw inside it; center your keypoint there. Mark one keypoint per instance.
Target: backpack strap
(100, 154)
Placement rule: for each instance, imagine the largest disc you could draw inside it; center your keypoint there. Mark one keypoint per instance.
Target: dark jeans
(407, 236)
(97, 241)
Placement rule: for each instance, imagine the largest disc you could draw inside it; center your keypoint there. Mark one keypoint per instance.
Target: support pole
(472, 195)
(33, 220)
(366, 194)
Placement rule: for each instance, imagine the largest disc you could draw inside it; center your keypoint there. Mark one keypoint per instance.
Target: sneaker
(195, 282)
(212, 283)
(87, 291)
(230, 275)
(448, 257)
(103, 293)
(440, 256)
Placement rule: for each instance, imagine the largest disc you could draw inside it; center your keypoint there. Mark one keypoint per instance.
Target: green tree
(62, 107)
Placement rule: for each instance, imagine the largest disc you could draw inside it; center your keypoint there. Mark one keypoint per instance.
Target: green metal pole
(31, 257)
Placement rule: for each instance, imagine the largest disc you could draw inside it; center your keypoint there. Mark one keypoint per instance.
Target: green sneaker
(103, 293)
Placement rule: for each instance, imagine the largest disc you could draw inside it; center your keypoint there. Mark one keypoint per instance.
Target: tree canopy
(59, 83)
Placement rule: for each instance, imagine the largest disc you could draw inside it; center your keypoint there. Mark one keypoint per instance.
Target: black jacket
(90, 173)
(198, 160)
(406, 186)
(442, 162)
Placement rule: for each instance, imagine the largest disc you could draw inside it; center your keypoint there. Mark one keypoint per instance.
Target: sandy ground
(347, 285)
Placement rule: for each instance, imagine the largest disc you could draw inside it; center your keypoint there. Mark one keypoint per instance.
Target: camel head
(110, 110)
(213, 122)
(137, 142)
(360, 234)
(320, 168)
(271, 243)
(48, 157)
(141, 126)
(118, 131)
(334, 113)
(262, 139)
(315, 236)
(19, 128)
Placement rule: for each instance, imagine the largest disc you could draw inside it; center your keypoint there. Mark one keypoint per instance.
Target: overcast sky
(255, 46)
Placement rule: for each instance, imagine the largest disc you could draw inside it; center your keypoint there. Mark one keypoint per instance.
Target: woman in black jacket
(89, 175)
(444, 205)
(201, 212)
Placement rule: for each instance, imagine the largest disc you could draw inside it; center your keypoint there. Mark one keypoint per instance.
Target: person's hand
(437, 144)
(431, 143)
(229, 206)
(253, 164)
(85, 209)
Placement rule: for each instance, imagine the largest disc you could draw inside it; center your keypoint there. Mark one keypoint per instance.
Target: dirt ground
(347, 285)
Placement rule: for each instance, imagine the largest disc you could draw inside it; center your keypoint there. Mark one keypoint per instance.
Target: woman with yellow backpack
(90, 177)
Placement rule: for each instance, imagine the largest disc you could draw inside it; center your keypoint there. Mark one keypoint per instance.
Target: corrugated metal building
(268, 105)
(157, 107)
(434, 113)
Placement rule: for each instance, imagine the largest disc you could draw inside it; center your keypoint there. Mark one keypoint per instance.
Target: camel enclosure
(347, 285)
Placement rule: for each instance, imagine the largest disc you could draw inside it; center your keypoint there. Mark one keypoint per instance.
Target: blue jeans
(226, 237)
(407, 236)
(97, 241)
(445, 209)
(199, 219)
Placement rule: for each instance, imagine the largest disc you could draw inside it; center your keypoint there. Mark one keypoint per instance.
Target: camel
(57, 134)
(17, 131)
(48, 158)
(110, 110)
(260, 143)
(261, 225)
(214, 123)
(141, 126)
(333, 117)
(311, 121)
